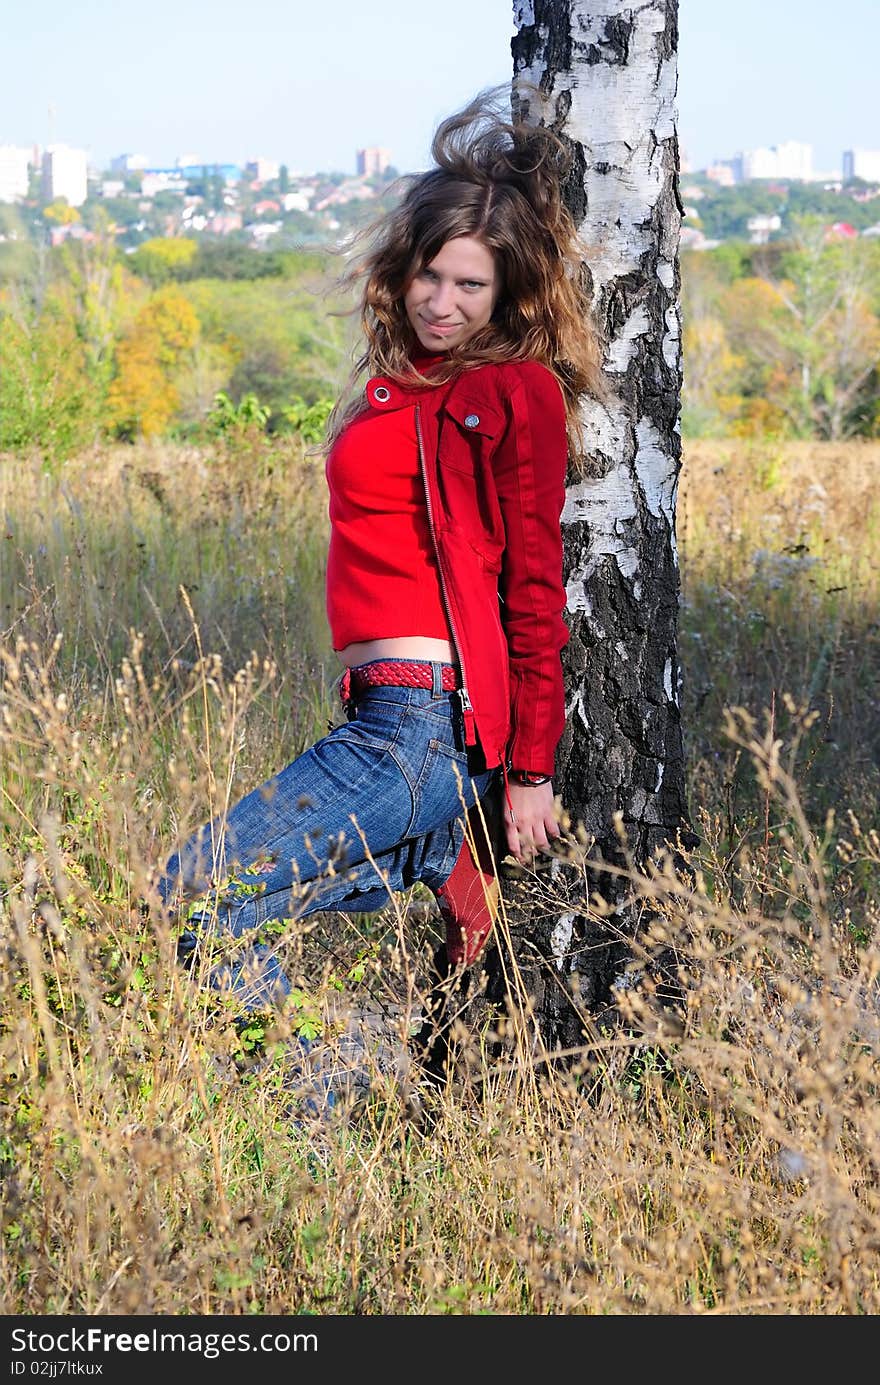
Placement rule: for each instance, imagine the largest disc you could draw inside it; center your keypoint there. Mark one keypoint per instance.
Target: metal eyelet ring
(381, 394)
(472, 421)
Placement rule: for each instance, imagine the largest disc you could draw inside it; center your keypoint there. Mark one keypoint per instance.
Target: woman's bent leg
(368, 810)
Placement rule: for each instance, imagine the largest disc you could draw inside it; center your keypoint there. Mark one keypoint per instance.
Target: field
(163, 646)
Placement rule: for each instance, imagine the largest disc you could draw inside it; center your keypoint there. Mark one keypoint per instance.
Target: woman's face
(453, 296)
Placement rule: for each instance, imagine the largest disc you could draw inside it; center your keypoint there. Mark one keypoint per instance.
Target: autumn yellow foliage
(158, 259)
(143, 397)
(61, 213)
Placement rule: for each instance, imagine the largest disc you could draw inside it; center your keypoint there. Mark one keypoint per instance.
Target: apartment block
(65, 174)
(129, 163)
(262, 170)
(372, 161)
(788, 160)
(14, 172)
(861, 163)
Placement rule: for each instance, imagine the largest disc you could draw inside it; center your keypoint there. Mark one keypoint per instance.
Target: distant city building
(761, 227)
(735, 165)
(861, 163)
(349, 190)
(112, 187)
(162, 181)
(177, 178)
(262, 170)
(193, 220)
(74, 231)
(372, 161)
(224, 223)
(14, 172)
(65, 174)
(722, 174)
(788, 160)
(692, 238)
(230, 173)
(841, 230)
(129, 163)
(260, 231)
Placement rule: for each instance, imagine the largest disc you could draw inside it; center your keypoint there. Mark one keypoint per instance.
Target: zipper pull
(467, 712)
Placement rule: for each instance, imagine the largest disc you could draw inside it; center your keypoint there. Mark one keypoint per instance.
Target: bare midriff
(401, 647)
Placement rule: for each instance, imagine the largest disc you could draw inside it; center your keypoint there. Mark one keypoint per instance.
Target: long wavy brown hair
(499, 181)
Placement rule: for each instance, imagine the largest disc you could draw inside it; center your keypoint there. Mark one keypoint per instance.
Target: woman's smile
(441, 328)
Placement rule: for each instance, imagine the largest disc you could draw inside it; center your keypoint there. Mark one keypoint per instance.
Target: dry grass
(164, 649)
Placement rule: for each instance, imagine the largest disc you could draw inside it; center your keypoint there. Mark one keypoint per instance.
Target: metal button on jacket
(381, 394)
(472, 420)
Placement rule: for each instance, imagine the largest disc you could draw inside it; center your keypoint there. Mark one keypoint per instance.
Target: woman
(445, 599)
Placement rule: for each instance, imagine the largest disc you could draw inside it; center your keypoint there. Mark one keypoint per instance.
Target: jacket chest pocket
(467, 430)
(469, 433)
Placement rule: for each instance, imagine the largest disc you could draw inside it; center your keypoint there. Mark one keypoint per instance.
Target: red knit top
(382, 575)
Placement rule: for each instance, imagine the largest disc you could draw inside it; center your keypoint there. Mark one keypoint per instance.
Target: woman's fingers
(530, 819)
(525, 838)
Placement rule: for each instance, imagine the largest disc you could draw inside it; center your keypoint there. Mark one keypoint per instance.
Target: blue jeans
(373, 807)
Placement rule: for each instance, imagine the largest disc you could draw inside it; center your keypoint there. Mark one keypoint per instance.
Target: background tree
(144, 397)
(712, 397)
(164, 257)
(603, 75)
(811, 334)
(47, 404)
(103, 293)
(58, 327)
(60, 213)
(17, 249)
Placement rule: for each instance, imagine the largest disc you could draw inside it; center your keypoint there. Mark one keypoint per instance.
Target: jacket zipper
(467, 711)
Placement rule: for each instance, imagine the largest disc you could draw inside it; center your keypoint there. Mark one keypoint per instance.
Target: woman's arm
(529, 469)
(530, 474)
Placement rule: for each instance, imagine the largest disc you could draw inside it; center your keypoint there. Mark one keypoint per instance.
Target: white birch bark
(606, 73)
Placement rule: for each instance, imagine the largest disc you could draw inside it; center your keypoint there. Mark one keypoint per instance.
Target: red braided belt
(394, 673)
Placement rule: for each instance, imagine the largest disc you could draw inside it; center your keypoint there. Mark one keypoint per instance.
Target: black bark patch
(613, 47)
(549, 40)
(574, 186)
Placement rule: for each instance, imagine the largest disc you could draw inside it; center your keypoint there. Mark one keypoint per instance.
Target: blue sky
(307, 82)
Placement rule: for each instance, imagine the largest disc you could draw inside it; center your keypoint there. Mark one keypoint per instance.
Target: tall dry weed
(161, 1153)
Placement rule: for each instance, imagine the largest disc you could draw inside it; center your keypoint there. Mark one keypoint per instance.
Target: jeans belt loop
(436, 679)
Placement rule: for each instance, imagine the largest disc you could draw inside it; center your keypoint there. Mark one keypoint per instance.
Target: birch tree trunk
(606, 73)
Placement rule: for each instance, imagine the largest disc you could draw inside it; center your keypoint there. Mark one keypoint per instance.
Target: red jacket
(493, 452)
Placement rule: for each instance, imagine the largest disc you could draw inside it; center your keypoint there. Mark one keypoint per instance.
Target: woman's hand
(530, 819)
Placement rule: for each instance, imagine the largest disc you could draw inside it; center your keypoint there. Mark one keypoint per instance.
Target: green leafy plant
(227, 417)
(309, 420)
